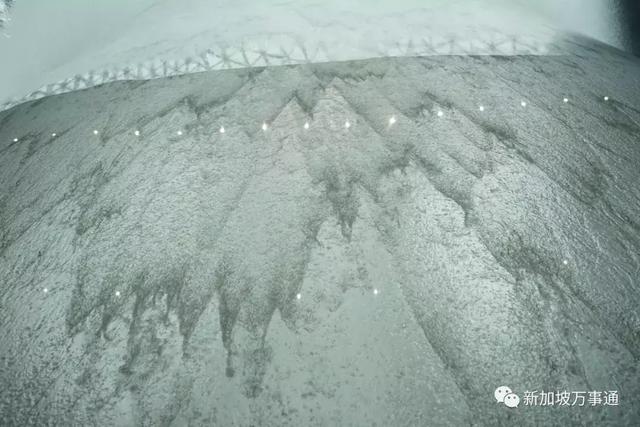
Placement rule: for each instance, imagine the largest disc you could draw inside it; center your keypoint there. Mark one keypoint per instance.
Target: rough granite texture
(172, 263)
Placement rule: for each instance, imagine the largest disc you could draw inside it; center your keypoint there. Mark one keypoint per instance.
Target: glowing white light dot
(222, 129)
(45, 290)
(440, 113)
(137, 133)
(306, 125)
(523, 103)
(481, 108)
(179, 133)
(53, 135)
(565, 262)
(347, 125)
(95, 132)
(264, 126)
(117, 293)
(298, 296)
(15, 139)
(392, 120)
(606, 98)
(565, 100)
(375, 291)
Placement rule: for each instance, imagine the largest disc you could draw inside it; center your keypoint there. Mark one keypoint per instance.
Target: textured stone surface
(503, 245)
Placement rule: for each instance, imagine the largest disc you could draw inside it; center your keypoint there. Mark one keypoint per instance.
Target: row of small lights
(298, 295)
(347, 124)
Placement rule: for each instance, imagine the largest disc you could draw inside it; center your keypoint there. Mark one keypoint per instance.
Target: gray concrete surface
(381, 274)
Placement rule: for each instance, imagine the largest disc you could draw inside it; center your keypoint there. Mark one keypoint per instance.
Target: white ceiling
(50, 41)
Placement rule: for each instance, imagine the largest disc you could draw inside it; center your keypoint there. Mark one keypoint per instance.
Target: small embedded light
(565, 100)
(306, 125)
(117, 293)
(481, 108)
(392, 120)
(179, 133)
(523, 103)
(95, 132)
(15, 139)
(440, 113)
(347, 125)
(53, 135)
(606, 98)
(264, 126)
(222, 129)
(45, 290)
(298, 296)
(565, 262)
(137, 133)
(375, 292)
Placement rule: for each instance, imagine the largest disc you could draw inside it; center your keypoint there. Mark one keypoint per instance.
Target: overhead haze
(46, 42)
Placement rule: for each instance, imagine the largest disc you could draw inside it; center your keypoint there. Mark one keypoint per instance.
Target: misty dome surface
(391, 240)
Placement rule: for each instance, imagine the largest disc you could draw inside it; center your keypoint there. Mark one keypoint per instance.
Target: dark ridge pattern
(161, 272)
